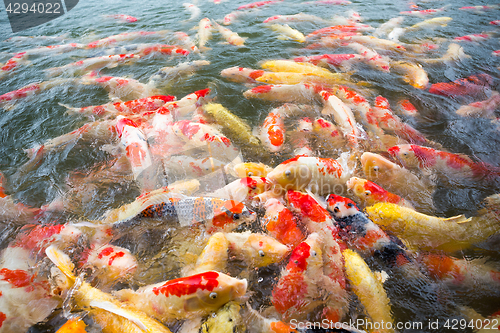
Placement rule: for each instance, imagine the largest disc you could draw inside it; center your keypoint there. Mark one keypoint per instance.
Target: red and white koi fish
(241, 74)
(233, 16)
(327, 134)
(343, 116)
(119, 87)
(495, 22)
(320, 175)
(126, 36)
(280, 222)
(112, 263)
(186, 297)
(372, 58)
(91, 64)
(257, 4)
(105, 310)
(193, 167)
(13, 63)
(147, 49)
(188, 104)
(294, 93)
(243, 190)
(423, 13)
(7, 100)
(336, 29)
(193, 9)
(343, 61)
(470, 86)
(46, 50)
(370, 193)
(300, 17)
(407, 108)
(389, 121)
(125, 108)
(122, 18)
(414, 156)
(186, 41)
(135, 144)
(330, 2)
(484, 108)
(480, 9)
(231, 37)
(198, 135)
(397, 180)
(204, 33)
(272, 132)
(473, 37)
(461, 273)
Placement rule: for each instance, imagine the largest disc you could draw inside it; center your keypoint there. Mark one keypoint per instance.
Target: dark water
(40, 118)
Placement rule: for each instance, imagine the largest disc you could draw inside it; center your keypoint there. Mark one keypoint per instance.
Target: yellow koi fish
(288, 33)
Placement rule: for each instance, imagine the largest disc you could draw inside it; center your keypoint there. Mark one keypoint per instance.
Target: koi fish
(235, 128)
(122, 17)
(495, 22)
(243, 190)
(280, 222)
(368, 288)
(293, 93)
(73, 326)
(214, 213)
(423, 13)
(193, 9)
(13, 63)
(105, 310)
(251, 169)
(473, 37)
(185, 297)
(414, 74)
(459, 165)
(455, 53)
(335, 29)
(407, 108)
(119, 87)
(257, 4)
(147, 49)
(186, 41)
(371, 57)
(232, 16)
(226, 320)
(12, 211)
(37, 38)
(125, 108)
(432, 23)
(257, 323)
(343, 116)
(91, 64)
(328, 135)
(432, 233)
(484, 108)
(204, 33)
(296, 67)
(286, 32)
(231, 37)
(126, 36)
(241, 74)
(386, 27)
(343, 61)
(272, 132)
(214, 256)
(320, 175)
(370, 193)
(192, 167)
(169, 75)
(398, 180)
(186, 105)
(389, 121)
(479, 8)
(300, 17)
(112, 263)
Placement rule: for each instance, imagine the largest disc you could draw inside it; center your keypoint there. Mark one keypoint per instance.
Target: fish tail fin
(120, 311)
(61, 260)
(70, 109)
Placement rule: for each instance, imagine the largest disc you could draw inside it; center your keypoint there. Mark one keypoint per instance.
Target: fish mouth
(240, 288)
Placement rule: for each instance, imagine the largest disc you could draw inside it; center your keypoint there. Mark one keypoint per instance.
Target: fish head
(358, 187)
(340, 206)
(251, 170)
(307, 256)
(291, 174)
(405, 155)
(233, 213)
(367, 191)
(263, 250)
(307, 206)
(376, 166)
(211, 291)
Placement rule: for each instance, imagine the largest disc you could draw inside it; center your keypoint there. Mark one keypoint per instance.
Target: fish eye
(350, 205)
(236, 216)
(313, 253)
(376, 168)
(367, 193)
(336, 209)
(261, 253)
(213, 295)
(405, 154)
(288, 173)
(250, 174)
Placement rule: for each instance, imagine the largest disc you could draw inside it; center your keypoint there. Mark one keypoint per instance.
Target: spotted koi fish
(272, 132)
(243, 190)
(343, 61)
(230, 36)
(118, 87)
(459, 165)
(320, 175)
(122, 17)
(370, 193)
(328, 135)
(301, 17)
(91, 64)
(112, 263)
(293, 93)
(328, 31)
(484, 108)
(257, 4)
(423, 13)
(125, 108)
(126, 36)
(371, 57)
(280, 222)
(13, 63)
(185, 297)
(241, 74)
(473, 38)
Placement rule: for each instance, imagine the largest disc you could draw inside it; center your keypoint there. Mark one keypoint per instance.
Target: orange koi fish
(370, 193)
(280, 222)
(471, 86)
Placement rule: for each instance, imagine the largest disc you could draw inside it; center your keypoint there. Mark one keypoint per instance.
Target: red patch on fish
(290, 292)
(298, 259)
(105, 252)
(284, 228)
(202, 93)
(261, 89)
(307, 206)
(116, 255)
(38, 237)
(470, 86)
(120, 125)
(17, 277)
(188, 285)
(136, 154)
(2, 318)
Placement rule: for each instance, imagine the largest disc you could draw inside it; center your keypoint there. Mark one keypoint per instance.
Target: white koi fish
(193, 9)
(231, 37)
(91, 64)
(288, 33)
(204, 33)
